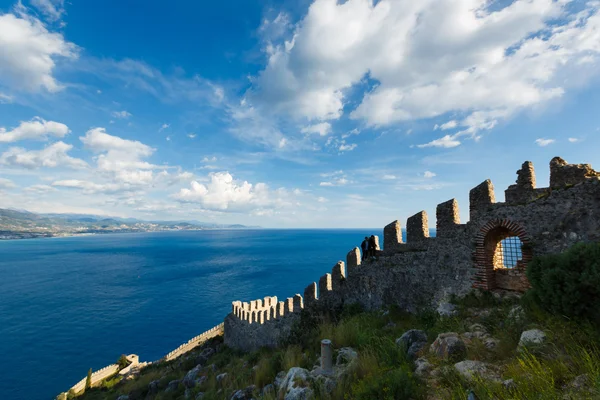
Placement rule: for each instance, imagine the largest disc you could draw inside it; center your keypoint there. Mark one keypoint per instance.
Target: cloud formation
(28, 53)
(424, 59)
(52, 156)
(223, 193)
(37, 129)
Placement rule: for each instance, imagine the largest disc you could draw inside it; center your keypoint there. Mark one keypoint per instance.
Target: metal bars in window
(510, 251)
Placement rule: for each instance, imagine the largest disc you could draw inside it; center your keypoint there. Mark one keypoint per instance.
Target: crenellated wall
(426, 270)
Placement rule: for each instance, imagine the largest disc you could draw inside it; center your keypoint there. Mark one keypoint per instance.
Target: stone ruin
(490, 252)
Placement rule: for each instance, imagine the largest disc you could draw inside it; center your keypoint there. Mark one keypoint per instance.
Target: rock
(516, 315)
(221, 377)
(509, 384)
(345, 356)
(239, 395)
(413, 341)
(390, 325)
(200, 381)
(206, 354)
(490, 343)
(172, 386)
(279, 379)
(446, 309)
(190, 378)
(123, 397)
(581, 382)
(469, 369)
(531, 339)
(295, 385)
(188, 393)
(477, 328)
(212, 368)
(449, 346)
(268, 390)
(153, 387)
(327, 384)
(422, 367)
(200, 396)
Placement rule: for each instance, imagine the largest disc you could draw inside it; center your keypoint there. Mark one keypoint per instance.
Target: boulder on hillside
(470, 369)
(446, 310)
(413, 341)
(532, 338)
(449, 346)
(345, 356)
(296, 385)
(422, 367)
(190, 378)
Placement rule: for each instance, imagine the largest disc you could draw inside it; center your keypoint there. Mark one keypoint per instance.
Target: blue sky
(289, 113)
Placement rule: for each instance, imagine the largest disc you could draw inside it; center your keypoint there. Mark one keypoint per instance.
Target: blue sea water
(70, 304)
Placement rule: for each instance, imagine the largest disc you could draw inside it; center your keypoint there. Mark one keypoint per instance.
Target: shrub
(88, 380)
(396, 384)
(568, 283)
(122, 362)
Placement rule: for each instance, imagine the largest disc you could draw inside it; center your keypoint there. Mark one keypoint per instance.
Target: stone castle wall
(195, 342)
(97, 377)
(424, 271)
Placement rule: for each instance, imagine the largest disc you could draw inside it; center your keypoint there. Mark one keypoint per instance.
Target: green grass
(382, 370)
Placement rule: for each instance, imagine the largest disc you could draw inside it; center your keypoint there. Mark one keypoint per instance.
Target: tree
(88, 381)
(123, 361)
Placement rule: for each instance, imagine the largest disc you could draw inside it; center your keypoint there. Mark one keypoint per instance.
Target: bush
(122, 362)
(396, 384)
(568, 283)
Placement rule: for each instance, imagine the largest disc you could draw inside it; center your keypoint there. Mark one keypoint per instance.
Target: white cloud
(162, 128)
(335, 182)
(37, 129)
(124, 115)
(388, 177)
(445, 142)
(88, 187)
(347, 147)
(40, 189)
(5, 99)
(52, 156)
(544, 142)
(120, 159)
(53, 9)
(6, 184)
(574, 140)
(322, 200)
(209, 159)
(448, 125)
(354, 131)
(191, 135)
(28, 52)
(429, 174)
(323, 129)
(428, 58)
(223, 193)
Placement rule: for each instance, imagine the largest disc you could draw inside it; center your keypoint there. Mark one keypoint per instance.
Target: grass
(382, 370)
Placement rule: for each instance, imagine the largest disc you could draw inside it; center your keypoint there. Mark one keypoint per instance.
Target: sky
(289, 114)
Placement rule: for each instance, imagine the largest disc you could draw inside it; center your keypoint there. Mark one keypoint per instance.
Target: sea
(75, 303)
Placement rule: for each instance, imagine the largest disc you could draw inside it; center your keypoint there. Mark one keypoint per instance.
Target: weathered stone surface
(563, 173)
(424, 274)
(413, 341)
(190, 378)
(295, 385)
(532, 338)
(509, 384)
(279, 378)
(470, 369)
(422, 367)
(449, 346)
(447, 218)
(123, 397)
(345, 356)
(153, 387)
(172, 386)
(446, 309)
(392, 236)
(268, 390)
(221, 377)
(417, 227)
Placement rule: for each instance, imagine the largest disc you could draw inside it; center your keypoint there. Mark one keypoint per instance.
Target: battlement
(489, 252)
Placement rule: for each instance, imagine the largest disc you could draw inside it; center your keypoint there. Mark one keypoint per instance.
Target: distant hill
(21, 224)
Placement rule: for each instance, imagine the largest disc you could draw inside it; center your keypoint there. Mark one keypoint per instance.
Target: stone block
(417, 227)
(392, 235)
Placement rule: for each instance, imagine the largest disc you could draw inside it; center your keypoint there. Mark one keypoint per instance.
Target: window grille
(510, 252)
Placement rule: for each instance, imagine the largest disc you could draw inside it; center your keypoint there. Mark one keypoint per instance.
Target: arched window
(501, 256)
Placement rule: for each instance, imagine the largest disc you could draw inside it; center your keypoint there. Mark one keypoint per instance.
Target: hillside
(22, 224)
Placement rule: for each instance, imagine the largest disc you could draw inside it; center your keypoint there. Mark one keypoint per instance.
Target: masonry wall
(97, 376)
(195, 342)
(425, 271)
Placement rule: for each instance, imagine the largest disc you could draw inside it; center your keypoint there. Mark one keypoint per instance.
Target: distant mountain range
(22, 224)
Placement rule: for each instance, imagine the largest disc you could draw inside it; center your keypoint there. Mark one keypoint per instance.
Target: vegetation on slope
(565, 365)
